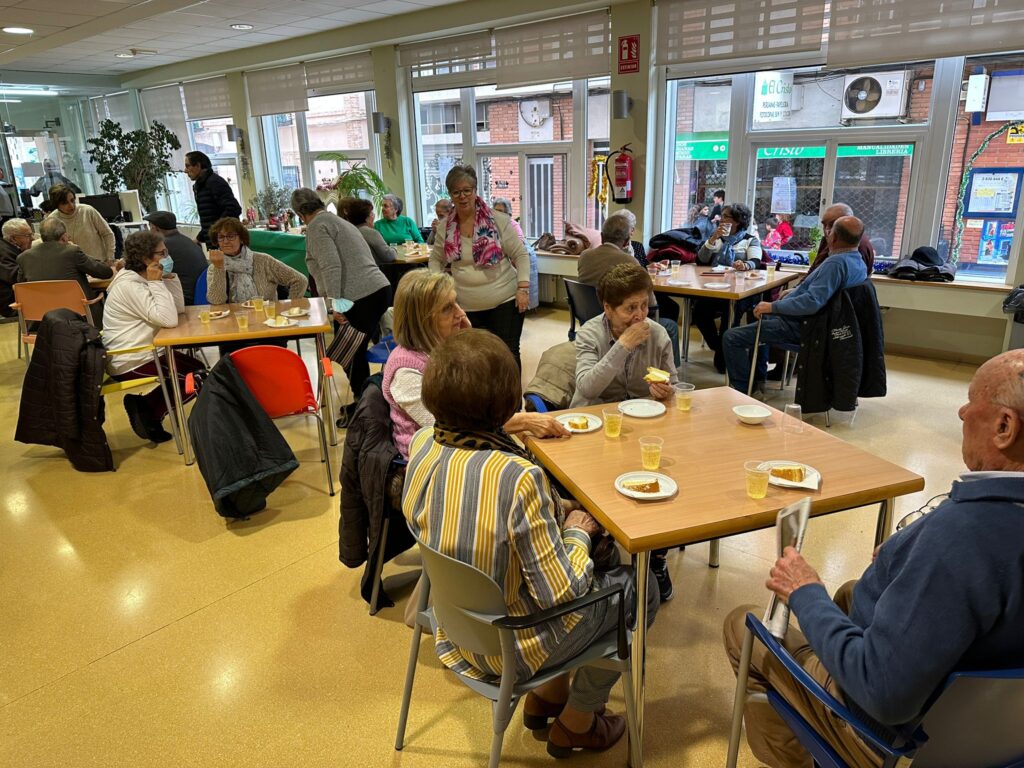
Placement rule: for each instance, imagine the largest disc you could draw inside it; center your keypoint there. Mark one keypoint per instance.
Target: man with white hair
(943, 594)
(17, 238)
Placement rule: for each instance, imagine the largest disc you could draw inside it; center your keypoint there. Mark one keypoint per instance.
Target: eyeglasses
(162, 252)
(463, 192)
(227, 237)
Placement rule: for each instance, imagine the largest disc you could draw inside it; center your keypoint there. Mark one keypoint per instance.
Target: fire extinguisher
(622, 184)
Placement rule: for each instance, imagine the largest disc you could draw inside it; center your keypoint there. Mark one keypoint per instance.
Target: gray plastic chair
(583, 304)
(471, 608)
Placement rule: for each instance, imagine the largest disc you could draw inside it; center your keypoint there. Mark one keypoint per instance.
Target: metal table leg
(179, 409)
(716, 545)
(687, 319)
(753, 360)
(639, 649)
(326, 396)
(884, 526)
(726, 325)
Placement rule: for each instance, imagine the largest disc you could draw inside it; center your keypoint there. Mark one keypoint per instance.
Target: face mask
(341, 306)
(167, 263)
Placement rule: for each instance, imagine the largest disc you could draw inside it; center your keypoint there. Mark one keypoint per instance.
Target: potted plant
(139, 159)
(358, 180)
(815, 238)
(272, 201)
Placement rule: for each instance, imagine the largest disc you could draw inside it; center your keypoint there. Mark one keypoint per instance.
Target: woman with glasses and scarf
(730, 245)
(237, 274)
(487, 259)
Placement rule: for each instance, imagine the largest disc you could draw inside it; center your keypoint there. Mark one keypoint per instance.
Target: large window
(439, 128)
(211, 137)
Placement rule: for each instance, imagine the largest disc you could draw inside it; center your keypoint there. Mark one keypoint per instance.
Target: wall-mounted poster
(996, 239)
(992, 193)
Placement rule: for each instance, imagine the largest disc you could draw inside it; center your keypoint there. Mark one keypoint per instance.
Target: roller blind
(340, 74)
(119, 109)
(207, 98)
(165, 105)
(864, 32)
(732, 36)
(449, 62)
(568, 48)
(98, 111)
(277, 91)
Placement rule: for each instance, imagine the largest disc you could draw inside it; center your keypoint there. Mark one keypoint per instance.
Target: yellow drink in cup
(204, 316)
(684, 395)
(243, 320)
(257, 303)
(650, 452)
(757, 480)
(612, 423)
(271, 309)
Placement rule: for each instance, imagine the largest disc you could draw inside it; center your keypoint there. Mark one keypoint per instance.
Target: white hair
(628, 215)
(11, 227)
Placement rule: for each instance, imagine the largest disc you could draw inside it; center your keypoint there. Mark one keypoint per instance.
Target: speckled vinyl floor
(139, 629)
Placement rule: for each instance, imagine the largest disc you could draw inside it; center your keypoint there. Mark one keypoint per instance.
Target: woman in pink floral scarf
(486, 258)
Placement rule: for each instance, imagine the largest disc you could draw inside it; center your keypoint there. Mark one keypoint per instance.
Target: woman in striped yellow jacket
(473, 494)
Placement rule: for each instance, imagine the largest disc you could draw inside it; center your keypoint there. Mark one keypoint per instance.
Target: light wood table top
(704, 453)
(191, 332)
(411, 256)
(697, 278)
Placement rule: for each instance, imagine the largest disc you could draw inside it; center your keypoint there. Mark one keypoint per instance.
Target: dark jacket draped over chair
(842, 352)
(61, 404)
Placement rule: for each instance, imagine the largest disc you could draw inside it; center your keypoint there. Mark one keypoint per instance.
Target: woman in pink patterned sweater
(427, 313)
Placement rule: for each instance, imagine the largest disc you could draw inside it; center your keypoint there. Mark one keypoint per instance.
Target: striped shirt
(496, 511)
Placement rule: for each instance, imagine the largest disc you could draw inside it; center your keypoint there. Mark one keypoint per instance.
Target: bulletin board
(993, 193)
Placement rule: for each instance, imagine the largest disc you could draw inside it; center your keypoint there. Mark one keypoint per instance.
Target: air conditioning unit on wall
(875, 95)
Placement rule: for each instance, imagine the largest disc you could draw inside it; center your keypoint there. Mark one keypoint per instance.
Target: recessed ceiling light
(242, 27)
(19, 31)
(124, 55)
(10, 101)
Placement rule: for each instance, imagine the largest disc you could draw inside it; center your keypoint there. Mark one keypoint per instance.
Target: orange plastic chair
(33, 300)
(278, 379)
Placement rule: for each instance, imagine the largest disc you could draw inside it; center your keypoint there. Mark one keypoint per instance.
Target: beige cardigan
(89, 231)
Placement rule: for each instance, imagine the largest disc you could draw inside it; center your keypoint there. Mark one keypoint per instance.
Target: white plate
(812, 478)
(593, 422)
(295, 312)
(248, 304)
(219, 315)
(719, 270)
(272, 322)
(679, 283)
(642, 408)
(716, 286)
(667, 485)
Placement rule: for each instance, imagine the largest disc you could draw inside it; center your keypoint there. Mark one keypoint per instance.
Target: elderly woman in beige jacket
(85, 226)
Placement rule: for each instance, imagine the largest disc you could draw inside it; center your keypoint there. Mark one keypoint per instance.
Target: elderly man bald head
(832, 214)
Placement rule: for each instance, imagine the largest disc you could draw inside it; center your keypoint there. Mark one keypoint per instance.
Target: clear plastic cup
(770, 273)
(684, 395)
(612, 423)
(793, 420)
(242, 318)
(757, 479)
(650, 452)
(204, 316)
(257, 303)
(677, 268)
(270, 308)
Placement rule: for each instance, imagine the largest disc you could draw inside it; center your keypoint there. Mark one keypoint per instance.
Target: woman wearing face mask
(143, 298)
(730, 245)
(237, 274)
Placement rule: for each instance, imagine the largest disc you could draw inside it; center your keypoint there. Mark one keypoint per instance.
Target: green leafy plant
(272, 201)
(815, 237)
(139, 159)
(358, 180)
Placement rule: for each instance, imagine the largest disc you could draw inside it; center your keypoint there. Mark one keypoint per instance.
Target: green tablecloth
(291, 249)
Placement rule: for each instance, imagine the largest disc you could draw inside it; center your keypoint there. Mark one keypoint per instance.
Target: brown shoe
(537, 711)
(604, 733)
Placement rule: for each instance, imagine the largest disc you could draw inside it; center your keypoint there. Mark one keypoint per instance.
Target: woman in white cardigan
(143, 298)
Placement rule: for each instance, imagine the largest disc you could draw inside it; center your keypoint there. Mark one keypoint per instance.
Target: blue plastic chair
(199, 293)
(381, 351)
(539, 406)
(974, 723)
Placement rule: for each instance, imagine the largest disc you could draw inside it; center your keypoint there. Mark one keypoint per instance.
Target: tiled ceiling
(84, 36)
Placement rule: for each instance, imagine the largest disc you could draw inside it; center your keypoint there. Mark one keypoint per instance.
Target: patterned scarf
(239, 269)
(486, 246)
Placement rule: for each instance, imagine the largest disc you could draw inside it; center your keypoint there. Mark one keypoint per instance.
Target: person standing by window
(214, 198)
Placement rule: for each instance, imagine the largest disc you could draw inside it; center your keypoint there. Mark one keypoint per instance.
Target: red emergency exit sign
(629, 54)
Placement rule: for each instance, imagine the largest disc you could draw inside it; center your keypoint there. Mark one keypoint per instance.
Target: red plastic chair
(278, 379)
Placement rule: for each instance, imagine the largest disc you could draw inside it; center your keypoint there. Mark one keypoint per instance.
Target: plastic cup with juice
(684, 395)
(242, 318)
(270, 308)
(204, 316)
(757, 479)
(612, 423)
(257, 303)
(650, 452)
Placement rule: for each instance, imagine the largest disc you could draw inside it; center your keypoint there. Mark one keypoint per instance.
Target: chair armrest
(816, 690)
(131, 350)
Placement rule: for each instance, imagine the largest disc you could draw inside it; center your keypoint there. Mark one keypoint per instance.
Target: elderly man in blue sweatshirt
(943, 594)
(780, 320)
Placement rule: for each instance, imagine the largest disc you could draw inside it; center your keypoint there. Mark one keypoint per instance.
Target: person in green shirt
(393, 226)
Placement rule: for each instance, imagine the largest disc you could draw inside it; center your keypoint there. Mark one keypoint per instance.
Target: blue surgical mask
(341, 306)
(168, 264)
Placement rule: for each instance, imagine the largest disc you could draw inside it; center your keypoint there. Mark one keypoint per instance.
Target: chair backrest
(199, 292)
(455, 588)
(278, 378)
(38, 298)
(976, 722)
(583, 300)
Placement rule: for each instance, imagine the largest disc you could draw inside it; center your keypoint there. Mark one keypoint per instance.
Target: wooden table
(190, 332)
(411, 256)
(740, 287)
(704, 452)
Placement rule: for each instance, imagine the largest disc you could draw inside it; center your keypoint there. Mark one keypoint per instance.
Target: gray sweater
(339, 260)
(382, 252)
(607, 372)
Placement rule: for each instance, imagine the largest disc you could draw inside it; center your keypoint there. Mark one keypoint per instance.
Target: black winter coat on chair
(61, 404)
(366, 467)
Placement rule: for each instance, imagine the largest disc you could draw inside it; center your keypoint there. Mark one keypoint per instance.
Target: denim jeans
(739, 340)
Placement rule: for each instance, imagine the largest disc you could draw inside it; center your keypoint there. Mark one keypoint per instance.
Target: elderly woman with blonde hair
(426, 313)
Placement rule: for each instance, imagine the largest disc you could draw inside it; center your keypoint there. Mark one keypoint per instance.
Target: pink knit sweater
(403, 426)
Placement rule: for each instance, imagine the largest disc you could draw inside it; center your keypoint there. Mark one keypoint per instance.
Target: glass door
(535, 185)
(789, 184)
(874, 180)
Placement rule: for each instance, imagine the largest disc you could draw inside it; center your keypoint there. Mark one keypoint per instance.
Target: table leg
(687, 319)
(179, 409)
(883, 528)
(716, 545)
(753, 360)
(326, 396)
(639, 650)
(726, 325)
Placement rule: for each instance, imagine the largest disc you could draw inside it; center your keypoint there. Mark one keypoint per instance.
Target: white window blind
(164, 105)
(340, 74)
(864, 32)
(277, 91)
(208, 98)
(568, 48)
(98, 111)
(733, 36)
(449, 62)
(118, 107)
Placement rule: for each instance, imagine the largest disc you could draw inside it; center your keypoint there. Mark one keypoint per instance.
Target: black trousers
(365, 315)
(505, 321)
(667, 308)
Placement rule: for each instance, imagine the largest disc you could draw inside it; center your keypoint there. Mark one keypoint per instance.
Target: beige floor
(138, 628)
